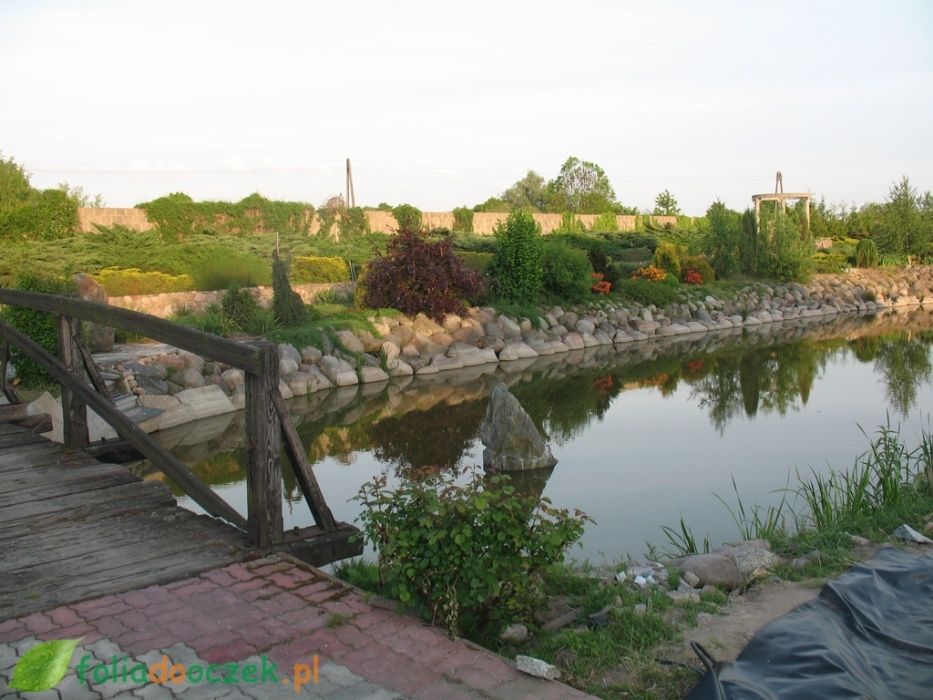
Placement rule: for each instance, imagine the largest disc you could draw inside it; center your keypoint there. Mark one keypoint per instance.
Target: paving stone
(339, 675)
(73, 689)
(153, 692)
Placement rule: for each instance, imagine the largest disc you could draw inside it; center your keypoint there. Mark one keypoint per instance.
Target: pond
(644, 434)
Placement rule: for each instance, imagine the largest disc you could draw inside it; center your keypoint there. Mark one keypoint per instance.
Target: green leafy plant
(312, 268)
(670, 258)
(866, 253)
(567, 272)
(239, 306)
(516, 268)
(465, 553)
(407, 217)
(646, 292)
(353, 222)
(133, 281)
(463, 219)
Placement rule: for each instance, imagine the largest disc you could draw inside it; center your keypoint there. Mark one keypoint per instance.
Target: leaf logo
(43, 666)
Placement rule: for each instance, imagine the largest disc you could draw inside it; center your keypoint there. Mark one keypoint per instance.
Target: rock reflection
(434, 421)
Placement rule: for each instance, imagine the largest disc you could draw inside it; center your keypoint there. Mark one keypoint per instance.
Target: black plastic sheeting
(869, 634)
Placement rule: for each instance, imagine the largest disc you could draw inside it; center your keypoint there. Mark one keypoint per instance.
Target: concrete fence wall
(484, 223)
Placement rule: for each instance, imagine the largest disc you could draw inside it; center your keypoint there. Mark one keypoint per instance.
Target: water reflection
(434, 422)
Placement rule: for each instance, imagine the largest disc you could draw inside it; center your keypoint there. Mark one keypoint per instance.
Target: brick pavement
(277, 608)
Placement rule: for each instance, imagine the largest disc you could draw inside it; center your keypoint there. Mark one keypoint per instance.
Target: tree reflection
(905, 365)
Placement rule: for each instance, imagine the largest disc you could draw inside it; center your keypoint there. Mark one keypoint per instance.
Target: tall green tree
(581, 187)
(14, 184)
(528, 193)
(722, 239)
(666, 205)
(904, 229)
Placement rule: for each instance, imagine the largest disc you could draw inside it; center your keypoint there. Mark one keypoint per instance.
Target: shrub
(700, 265)
(216, 267)
(288, 307)
(353, 222)
(479, 262)
(603, 265)
(647, 293)
(691, 276)
(238, 306)
(866, 253)
(407, 217)
(650, 274)
(606, 223)
(784, 253)
(463, 220)
(38, 325)
(418, 275)
(600, 286)
(567, 272)
(132, 281)
(570, 224)
(467, 555)
(722, 239)
(312, 268)
(44, 215)
(517, 265)
(670, 257)
(262, 322)
(829, 262)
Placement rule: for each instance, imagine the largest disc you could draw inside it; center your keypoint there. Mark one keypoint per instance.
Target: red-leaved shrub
(693, 277)
(416, 275)
(650, 273)
(600, 286)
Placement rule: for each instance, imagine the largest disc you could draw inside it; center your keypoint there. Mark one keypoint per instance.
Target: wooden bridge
(73, 526)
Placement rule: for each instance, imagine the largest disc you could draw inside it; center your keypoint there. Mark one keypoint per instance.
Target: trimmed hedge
(132, 281)
(313, 268)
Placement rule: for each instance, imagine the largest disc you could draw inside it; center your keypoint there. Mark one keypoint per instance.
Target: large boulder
(510, 437)
(99, 338)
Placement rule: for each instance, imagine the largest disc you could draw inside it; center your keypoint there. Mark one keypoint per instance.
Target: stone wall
(90, 217)
(484, 223)
(164, 305)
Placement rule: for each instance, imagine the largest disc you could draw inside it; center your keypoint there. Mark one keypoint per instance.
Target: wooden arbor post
(263, 437)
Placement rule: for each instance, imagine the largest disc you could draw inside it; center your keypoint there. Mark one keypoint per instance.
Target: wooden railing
(267, 419)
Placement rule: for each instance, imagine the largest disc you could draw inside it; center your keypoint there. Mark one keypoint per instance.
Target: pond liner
(869, 634)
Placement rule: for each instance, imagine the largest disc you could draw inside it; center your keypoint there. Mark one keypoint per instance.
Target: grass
(888, 485)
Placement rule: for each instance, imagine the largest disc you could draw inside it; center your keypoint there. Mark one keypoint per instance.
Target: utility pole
(351, 195)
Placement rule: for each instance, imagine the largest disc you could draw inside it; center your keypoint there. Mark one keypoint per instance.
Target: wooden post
(263, 468)
(74, 410)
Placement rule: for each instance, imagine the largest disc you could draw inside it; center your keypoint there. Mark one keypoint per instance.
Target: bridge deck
(72, 528)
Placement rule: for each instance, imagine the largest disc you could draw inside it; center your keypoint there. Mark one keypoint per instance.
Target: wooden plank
(243, 356)
(302, 467)
(123, 498)
(129, 431)
(12, 412)
(74, 410)
(15, 481)
(263, 469)
(59, 488)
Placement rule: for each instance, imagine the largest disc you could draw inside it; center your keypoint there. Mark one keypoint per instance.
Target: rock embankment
(179, 387)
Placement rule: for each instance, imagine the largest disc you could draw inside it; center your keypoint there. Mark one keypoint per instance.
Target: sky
(442, 104)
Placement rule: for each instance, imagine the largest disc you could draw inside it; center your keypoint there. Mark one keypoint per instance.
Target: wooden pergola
(780, 196)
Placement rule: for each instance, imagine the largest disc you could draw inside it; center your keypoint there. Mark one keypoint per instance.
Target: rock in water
(511, 439)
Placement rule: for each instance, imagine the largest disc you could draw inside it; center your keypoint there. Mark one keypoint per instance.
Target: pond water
(644, 434)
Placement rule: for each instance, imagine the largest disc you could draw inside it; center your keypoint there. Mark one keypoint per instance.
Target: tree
(80, 197)
(517, 266)
(666, 205)
(14, 184)
(904, 229)
(722, 239)
(581, 187)
(528, 193)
